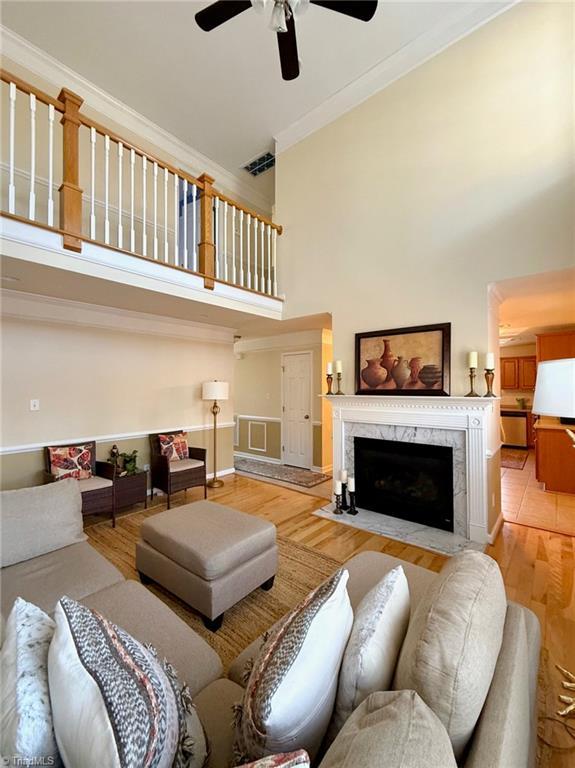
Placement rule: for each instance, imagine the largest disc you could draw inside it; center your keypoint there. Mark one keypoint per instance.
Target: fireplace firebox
(411, 481)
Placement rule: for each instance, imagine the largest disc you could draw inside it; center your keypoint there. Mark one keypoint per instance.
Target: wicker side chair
(172, 476)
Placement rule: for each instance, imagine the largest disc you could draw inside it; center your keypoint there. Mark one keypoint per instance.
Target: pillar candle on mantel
(343, 475)
(490, 361)
(338, 366)
(351, 484)
(337, 487)
(329, 369)
(473, 359)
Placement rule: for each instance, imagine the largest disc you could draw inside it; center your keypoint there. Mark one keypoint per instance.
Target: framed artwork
(404, 361)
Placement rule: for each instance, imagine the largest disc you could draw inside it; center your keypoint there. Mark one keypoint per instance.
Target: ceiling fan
(282, 20)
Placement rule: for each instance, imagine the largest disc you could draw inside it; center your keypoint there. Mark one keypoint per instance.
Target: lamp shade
(555, 388)
(215, 390)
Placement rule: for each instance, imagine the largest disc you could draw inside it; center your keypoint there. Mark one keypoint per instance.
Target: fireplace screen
(407, 480)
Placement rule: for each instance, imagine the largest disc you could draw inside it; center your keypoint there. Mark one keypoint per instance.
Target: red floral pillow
(71, 461)
(175, 447)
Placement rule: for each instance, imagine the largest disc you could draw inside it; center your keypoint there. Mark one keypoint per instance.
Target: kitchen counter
(515, 409)
(549, 422)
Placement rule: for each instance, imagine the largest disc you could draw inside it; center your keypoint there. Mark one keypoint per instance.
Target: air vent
(261, 164)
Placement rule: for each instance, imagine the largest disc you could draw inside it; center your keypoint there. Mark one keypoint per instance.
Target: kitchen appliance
(514, 427)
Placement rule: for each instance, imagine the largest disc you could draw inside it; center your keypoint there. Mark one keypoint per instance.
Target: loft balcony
(81, 204)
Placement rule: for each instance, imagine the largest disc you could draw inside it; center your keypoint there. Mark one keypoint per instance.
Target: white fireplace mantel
(469, 415)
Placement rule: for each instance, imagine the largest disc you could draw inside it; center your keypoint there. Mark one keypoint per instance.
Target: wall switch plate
(146, 467)
(34, 405)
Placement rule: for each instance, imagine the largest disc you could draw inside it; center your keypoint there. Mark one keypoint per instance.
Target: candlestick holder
(489, 376)
(472, 392)
(344, 504)
(339, 392)
(337, 510)
(329, 378)
(352, 508)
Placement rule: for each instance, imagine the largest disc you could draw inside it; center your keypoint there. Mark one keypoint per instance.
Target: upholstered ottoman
(209, 555)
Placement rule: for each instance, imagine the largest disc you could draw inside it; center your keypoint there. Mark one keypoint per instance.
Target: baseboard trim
(257, 457)
(496, 528)
(327, 470)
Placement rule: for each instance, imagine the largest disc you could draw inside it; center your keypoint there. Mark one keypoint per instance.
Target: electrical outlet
(146, 467)
(34, 405)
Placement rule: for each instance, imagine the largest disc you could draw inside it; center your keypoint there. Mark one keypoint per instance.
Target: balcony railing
(75, 176)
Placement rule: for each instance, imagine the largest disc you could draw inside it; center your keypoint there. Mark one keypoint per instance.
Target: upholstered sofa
(504, 736)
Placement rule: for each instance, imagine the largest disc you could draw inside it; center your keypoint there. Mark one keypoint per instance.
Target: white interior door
(296, 422)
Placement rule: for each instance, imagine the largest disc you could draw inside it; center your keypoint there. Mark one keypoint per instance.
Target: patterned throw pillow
(175, 447)
(114, 703)
(71, 461)
(299, 759)
(289, 697)
(26, 730)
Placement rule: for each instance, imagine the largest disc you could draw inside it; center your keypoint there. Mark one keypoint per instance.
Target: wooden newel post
(207, 248)
(70, 192)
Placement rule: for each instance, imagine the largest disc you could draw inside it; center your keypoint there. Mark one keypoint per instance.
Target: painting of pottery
(404, 361)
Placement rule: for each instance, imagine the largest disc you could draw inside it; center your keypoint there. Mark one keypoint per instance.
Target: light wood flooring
(538, 568)
(524, 501)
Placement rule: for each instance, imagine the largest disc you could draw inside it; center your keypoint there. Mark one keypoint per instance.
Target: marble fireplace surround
(459, 422)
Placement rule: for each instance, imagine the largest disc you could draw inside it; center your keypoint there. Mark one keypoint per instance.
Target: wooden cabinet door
(527, 372)
(530, 431)
(509, 370)
(555, 346)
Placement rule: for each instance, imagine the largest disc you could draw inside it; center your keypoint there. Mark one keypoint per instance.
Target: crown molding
(282, 341)
(457, 25)
(45, 66)
(32, 307)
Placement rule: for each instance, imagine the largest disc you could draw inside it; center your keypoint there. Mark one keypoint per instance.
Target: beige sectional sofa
(504, 736)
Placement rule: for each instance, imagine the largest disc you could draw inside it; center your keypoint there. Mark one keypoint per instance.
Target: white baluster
(241, 250)
(217, 234)
(262, 256)
(50, 165)
(107, 190)
(120, 228)
(269, 232)
(274, 261)
(225, 239)
(11, 185)
(155, 210)
(248, 242)
(132, 190)
(32, 197)
(166, 254)
(256, 273)
(194, 230)
(144, 203)
(93, 137)
(234, 216)
(185, 223)
(176, 201)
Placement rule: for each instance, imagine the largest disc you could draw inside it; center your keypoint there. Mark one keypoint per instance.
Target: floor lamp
(215, 391)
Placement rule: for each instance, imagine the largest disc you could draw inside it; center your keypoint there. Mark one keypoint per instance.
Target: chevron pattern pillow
(113, 703)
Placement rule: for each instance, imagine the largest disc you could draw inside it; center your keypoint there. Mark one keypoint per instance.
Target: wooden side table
(131, 489)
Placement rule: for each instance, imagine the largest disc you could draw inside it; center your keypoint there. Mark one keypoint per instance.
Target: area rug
(304, 477)
(417, 535)
(513, 458)
(301, 569)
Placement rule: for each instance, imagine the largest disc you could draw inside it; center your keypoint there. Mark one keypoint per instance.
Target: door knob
(306, 416)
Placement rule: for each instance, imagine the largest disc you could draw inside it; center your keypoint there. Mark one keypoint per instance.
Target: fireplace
(411, 481)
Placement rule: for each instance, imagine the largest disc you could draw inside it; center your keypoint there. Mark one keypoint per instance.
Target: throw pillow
(175, 447)
(289, 697)
(71, 461)
(114, 704)
(453, 642)
(26, 731)
(369, 661)
(39, 520)
(395, 729)
(299, 759)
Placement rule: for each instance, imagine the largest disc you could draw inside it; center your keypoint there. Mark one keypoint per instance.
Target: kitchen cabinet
(518, 373)
(531, 419)
(554, 456)
(555, 346)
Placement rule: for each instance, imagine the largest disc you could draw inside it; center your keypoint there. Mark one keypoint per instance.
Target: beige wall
(457, 175)
(93, 382)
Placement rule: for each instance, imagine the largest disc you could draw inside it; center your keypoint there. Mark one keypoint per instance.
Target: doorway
(297, 392)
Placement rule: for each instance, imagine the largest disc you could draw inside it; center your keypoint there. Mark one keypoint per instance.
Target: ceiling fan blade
(287, 43)
(219, 12)
(363, 10)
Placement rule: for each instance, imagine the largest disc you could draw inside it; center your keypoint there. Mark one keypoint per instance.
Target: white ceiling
(534, 304)
(221, 92)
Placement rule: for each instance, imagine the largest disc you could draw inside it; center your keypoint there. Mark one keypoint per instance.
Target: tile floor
(524, 501)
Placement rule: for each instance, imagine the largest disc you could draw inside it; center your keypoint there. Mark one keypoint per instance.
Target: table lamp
(215, 391)
(555, 391)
